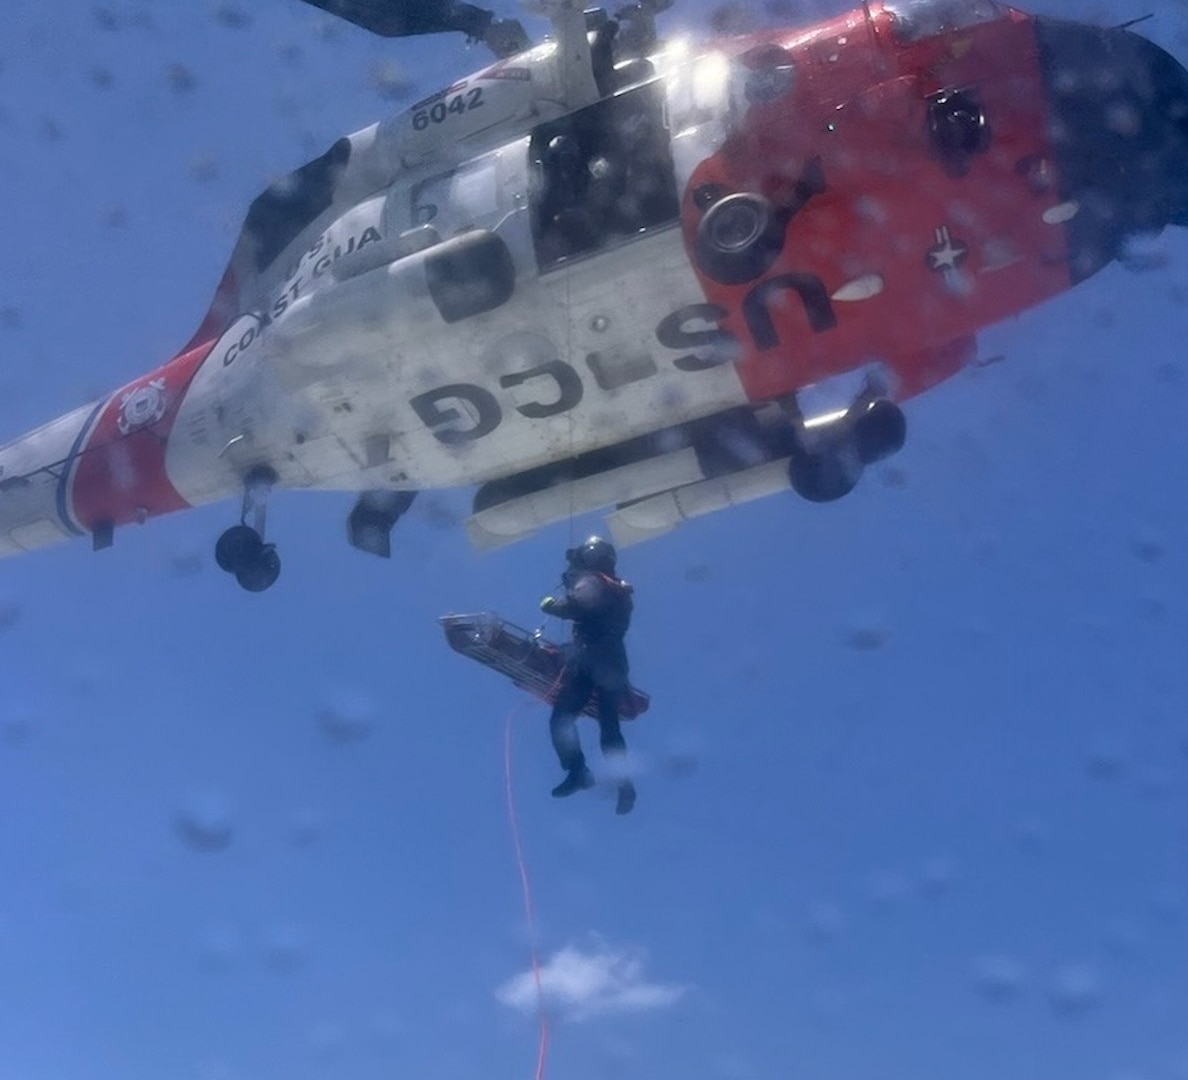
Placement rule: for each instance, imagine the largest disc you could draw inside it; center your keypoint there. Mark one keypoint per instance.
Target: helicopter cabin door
(602, 176)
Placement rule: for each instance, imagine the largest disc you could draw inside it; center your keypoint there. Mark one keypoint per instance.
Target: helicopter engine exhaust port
(739, 238)
(469, 275)
(829, 458)
(241, 550)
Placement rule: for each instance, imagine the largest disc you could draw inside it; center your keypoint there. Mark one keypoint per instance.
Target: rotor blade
(403, 18)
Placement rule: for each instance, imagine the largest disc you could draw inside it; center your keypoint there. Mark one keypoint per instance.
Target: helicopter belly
(371, 384)
(575, 362)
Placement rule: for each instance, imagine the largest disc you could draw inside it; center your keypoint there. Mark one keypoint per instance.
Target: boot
(577, 779)
(626, 800)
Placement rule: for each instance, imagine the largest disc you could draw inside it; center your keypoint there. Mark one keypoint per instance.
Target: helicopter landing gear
(828, 458)
(241, 550)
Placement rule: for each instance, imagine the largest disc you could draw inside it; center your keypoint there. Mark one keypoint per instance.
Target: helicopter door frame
(602, 176)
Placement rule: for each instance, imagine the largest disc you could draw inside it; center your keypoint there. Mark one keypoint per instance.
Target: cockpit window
(915, 20)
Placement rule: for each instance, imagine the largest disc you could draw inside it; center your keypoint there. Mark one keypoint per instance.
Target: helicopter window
(915, 20)
(602, 175)
(464, 198)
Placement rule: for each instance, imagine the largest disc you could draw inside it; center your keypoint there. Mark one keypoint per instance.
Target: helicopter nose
(1118, 126)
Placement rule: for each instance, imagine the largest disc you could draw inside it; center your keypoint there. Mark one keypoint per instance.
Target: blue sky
(912, 792)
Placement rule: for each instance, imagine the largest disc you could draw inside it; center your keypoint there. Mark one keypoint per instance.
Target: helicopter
(610, 272)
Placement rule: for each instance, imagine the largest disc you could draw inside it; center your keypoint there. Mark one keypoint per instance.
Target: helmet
(595, 554)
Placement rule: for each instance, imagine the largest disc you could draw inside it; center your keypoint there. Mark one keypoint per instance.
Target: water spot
(49, 130)
(10, 614)
(866, 634)
(306, 828)
(1032, 835)
(698, 572)
(1148, 545)
(1123, 938)
(107, 20)
(186, 564)
(1106, 761)
(10, 317)
(215, 1069)
(1145, 258)
(326, 1038)
(999, 979)
(825, 923)
(180, 78)
(285, 948)
(936, 878)
(437, 513)
(1169, 905)
(389, 81)
(1154, 784)
(347, 718)
(114, 217)
(219, 948)
(204, 823)
(289, 53)
(232, 16)
(679, 766)
(16, 727)
(1075, 989)
(329, 30)
(102, 78)
(886, 891)
(1153, 608)
(204, 170)
(731, 19)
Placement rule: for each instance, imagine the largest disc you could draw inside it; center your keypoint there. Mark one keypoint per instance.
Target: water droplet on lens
(1106, 761)
(867, 634)
(347, 718)
(307, 828)
(204, 822)
(999, 979)
(936, 878)
(825, 922)
(1074, 991)
(1148, 546)
(389, 81)
(218, 948)
(180, 78)
(284, 948)
(887, 891)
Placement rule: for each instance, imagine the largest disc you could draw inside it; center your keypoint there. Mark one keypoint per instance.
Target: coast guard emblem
(143, 406)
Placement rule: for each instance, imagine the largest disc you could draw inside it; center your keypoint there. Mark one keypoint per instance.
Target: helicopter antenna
(575, 69)
(1135, 22)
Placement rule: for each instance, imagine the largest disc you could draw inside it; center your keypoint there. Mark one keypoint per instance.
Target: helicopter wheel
(240, 551)
(739, 238)
(832, 462)
(261, 572)
(237, 547)
(880, 430)
(826, 472)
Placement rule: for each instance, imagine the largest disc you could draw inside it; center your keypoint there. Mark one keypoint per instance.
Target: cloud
(583, 984)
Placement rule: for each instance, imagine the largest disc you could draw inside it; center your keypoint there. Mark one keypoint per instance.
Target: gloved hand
(547, 604)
